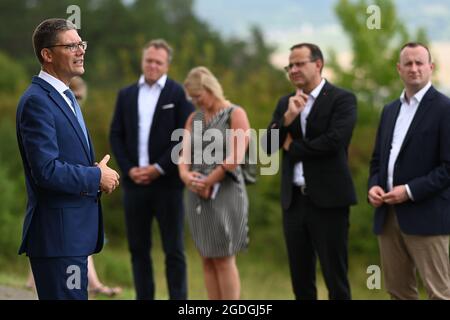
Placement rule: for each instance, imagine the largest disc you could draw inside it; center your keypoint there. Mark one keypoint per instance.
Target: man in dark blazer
(146, 114)
(409, 182)
(63, 222)
(314, 127)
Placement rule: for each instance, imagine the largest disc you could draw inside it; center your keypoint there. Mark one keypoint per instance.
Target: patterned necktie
(78, 113)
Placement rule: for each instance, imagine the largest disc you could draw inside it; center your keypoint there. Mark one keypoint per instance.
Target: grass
(259, 279)
(263, 270)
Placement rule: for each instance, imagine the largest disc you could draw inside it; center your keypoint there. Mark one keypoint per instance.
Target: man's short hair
(46, 34)
(160, 44)
(415, 45)
(316, 53)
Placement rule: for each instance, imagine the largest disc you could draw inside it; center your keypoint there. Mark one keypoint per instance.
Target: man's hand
(396, 196)
(109, 178)
(287, 142)
(150, 173)
(296, 105)
(375, 196)
(139, 175)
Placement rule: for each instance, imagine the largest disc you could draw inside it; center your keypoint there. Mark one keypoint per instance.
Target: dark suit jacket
(423, 163)
(124, 131)
(63, 215)
(323, 150)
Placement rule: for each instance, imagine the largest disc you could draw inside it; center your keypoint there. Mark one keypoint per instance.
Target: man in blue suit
(409, 182)
(63, 222)
(146, 115)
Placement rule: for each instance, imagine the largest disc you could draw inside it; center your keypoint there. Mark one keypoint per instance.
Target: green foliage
(13, 76)
(117, 33)
(373, 74)
(12, 204)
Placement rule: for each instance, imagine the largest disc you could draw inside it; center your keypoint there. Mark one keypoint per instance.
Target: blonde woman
(217, 203)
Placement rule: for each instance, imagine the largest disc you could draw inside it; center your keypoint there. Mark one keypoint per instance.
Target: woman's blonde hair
(200, 78)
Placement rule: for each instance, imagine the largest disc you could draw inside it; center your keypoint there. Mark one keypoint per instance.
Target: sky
(286, 16)
(286, 22)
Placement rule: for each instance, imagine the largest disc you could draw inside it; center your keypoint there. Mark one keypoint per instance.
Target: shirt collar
(418, 96)
(315, 93)
(54, 82)
(161, 81)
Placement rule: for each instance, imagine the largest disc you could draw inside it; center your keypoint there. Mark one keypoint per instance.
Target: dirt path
(9, 293)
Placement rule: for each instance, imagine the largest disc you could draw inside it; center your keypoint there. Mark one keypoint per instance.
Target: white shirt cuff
(408, 191)
(158, 167)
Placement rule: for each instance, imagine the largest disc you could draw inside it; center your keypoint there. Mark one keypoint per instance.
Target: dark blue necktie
(78, 113)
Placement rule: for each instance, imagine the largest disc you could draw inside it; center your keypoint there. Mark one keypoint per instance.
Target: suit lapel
(65, 108)
(61, 103)
(134, 112)
(390, 126)
(295, 127)
(134, 117)
(322, 100)
(418, 117)
(164, 98)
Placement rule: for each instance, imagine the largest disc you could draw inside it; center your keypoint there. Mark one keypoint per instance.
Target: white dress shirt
(404, 119)
(58, 85)
(299, 177)
(147, 99)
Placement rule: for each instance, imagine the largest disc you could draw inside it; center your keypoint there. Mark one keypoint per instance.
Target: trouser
(309, 232)
(60, 278)
(403, 255)
(166, 205)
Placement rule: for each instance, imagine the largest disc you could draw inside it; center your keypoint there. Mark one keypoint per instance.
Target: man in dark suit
(146, 114)
(409, 182)
(314, 127)
(63, 222)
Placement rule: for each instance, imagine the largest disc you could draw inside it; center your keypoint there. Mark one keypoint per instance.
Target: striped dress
(218, 226)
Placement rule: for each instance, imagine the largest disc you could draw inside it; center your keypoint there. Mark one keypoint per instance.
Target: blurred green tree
(372, 74)
(117, 31)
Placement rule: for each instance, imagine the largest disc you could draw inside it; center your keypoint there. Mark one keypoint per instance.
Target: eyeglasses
(73, 47)
(297, 64)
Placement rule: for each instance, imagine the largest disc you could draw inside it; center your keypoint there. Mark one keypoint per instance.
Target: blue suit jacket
(63, 215)
(171, 113)
(423, 163)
